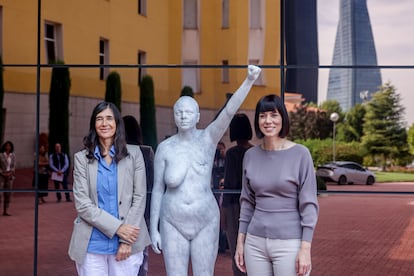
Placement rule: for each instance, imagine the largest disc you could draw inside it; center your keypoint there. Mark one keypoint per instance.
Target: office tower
(354, 45)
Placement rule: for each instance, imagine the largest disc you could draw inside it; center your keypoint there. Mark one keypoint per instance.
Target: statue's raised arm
(217, 128)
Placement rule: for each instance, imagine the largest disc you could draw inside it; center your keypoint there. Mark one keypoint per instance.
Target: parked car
(345, 172)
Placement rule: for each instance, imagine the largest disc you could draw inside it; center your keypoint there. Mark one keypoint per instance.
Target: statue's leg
(204, 249)
(176, 250)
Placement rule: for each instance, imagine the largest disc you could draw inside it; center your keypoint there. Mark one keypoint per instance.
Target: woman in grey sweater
(279, 208)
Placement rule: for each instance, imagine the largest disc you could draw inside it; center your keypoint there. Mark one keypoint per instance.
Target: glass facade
(319, 40)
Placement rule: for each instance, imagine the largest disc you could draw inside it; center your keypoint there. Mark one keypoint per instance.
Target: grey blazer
(131, 202)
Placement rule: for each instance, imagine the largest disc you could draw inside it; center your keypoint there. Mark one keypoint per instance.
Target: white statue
(184, 212)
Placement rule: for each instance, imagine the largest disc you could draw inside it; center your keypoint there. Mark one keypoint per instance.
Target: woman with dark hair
(241, 132)
(134, 137)
(279, 206)
(109, 188)
(7, 170)
(133, 131)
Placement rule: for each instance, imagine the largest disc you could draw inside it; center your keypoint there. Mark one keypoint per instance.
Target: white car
(345, 172)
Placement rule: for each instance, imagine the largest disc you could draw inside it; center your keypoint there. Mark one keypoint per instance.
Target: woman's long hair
(92, 139)
(133, 132)
(3, 147)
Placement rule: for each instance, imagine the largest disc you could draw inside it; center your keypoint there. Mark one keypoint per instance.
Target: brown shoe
(6, 214)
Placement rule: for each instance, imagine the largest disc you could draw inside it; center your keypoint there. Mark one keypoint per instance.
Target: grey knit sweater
(279, 194)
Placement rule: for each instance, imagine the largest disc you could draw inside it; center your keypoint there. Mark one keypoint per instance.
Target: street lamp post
(334, 118)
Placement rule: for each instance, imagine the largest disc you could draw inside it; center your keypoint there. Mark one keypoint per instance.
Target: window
(142, 59)
(225, 72)
(225, 9)
(190, 14)
(142, 7)
(53, 42)
(103, 58)
(255, 14)
(191, 77)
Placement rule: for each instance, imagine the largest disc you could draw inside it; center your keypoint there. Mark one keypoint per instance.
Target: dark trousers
(6, 183)
(64, 187)
(232, 213)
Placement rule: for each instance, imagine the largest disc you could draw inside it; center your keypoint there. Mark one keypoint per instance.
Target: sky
(392, 24)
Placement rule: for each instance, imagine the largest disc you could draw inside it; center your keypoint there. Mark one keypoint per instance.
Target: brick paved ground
(357, 234)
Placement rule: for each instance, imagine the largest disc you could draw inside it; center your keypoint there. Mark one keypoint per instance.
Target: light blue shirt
(107, 190)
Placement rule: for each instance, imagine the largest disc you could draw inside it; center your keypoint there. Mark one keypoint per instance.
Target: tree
(113, 92)
(331, 106)
(410, 138)
(187, 91)
(385, 137)
(147, 112)
(351, 128)
(309, 123)
(1, 101)
(59, 108)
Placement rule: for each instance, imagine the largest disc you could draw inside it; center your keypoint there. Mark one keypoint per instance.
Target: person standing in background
(241, 132)
(7, 173)
(218, 165)
(218, 180)
(134, 137)
(278, 202)
(43, 173)
(59, 165)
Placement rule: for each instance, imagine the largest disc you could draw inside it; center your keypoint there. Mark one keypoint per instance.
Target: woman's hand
(239, 254)
(124, 251)
(128, 233)
(303, 259)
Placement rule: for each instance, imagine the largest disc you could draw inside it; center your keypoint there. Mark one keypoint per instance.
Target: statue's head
(186, 113)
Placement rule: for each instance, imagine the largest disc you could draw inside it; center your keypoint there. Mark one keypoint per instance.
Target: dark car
(345, 172)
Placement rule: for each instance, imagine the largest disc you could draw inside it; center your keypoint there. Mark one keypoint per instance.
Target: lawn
(394, 177)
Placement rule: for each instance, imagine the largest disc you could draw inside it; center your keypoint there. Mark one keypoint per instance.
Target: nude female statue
(184, 213)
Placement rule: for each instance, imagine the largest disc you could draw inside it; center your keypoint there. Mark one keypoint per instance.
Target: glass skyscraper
(354, 46)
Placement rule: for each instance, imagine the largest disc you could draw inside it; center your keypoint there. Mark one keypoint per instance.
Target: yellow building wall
(159, 34)
(84, 23)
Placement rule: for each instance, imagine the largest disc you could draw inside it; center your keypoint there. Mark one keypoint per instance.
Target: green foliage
(187, 91)
(346, 133)
(385, 136)
(331, 106)
(59, 108)
(1, 101)
(370, 134)
(350, 152)
(351, 129)
(147, 112)
(410, 138)
(309, 123)
(394, 177)
(321, 151)
(113, 92)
